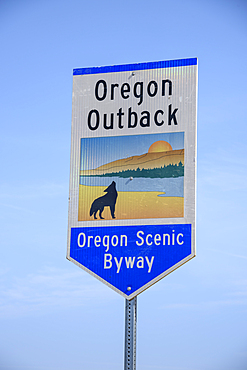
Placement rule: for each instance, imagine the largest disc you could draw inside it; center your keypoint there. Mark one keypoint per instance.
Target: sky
(53, 314)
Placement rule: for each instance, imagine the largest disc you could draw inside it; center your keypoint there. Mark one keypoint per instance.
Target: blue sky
(54, 315)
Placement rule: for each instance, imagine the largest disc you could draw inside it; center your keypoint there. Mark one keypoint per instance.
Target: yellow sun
(159, 146)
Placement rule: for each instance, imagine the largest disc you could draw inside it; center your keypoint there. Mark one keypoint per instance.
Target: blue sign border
(136, 66)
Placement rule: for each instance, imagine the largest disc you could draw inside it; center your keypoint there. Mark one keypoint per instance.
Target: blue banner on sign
(129, 257)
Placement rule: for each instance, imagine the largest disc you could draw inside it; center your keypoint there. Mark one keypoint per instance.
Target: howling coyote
(107, 200)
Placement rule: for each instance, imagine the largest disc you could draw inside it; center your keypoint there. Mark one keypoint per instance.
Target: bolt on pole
(130, 334)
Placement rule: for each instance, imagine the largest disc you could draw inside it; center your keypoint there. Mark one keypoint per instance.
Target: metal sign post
(130, 334)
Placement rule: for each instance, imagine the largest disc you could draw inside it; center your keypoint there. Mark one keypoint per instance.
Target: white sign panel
(132, 180)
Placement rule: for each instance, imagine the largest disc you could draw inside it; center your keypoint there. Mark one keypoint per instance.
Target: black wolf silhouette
(107, 200)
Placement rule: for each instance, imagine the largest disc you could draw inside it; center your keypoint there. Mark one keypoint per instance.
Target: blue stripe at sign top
(136, 67)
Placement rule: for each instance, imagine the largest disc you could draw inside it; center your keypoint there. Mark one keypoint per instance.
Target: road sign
(132, 179)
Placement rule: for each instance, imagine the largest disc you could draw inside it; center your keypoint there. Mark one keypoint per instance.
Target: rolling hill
(146, 161)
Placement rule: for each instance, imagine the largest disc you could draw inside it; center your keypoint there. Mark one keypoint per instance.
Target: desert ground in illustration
(131, 205)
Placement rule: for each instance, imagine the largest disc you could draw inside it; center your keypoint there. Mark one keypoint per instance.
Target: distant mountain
(146, 161)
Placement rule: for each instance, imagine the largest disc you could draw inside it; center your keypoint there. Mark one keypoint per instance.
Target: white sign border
(190, 191)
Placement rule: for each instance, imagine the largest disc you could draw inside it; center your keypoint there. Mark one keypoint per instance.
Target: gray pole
(130, 334)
